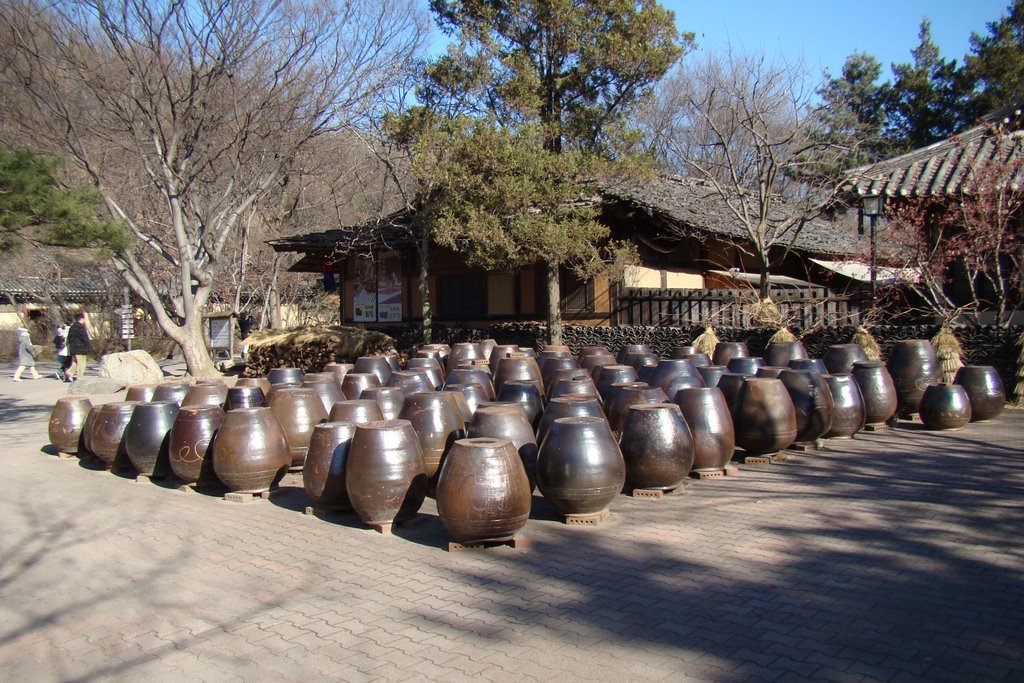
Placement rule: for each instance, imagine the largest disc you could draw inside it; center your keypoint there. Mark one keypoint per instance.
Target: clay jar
(385, 477)
(87, 428)
(326, 388)
(298, 410)
(572, 385)
(206, 395)
(498, 352)
(813, 403)
(876, 390)
(171, 391)
(250, 452)
(106, 439)
(627, 349)
(146, 437)
(726, 351)
(730, 384)
(323, 474)
(579, 466)
(474, 374)
(711, 426)
(245, 397)
(285, 375)
(945, 407)
(673, 374)
(66, 422)
(781, 352)
(377, 365)
(483, 493)
(618, 409)
(839, 358)
(526, 395)
(487, 345)
(431, 367)
(412, 381)
(641, 360)
(711, 374)
(772, 371)
(390, 400)
(507, 422)
(811, 364)
(554, 364)
(463, 351)
(436, 424)
(551, 384)
(657, 446)
(697, 358)
(913, 366)
(473, 394)
(356, 382)
(339, 370)
(262, 382)
(568, 406)
(462, 408)
(189, 444)
(140, 392)
(847, 406)
(518, 366)
(764, 416)
(359, 411)
(745, 364)
(614, 374)
(984, 388)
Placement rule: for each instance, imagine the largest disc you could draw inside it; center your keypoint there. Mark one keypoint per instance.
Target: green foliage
(36, 205)
(853, 110)
(996, 65)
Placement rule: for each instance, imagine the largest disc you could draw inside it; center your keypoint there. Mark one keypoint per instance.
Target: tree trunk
(554, 306)
(189, 337)
(764, 289)
(428, 315)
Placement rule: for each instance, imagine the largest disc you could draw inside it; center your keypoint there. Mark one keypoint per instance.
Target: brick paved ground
(889, 557)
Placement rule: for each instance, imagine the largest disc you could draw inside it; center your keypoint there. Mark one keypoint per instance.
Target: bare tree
(186, 115)
(745, 126)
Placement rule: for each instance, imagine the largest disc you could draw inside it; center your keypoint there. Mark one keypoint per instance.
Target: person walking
(78, 346)
(60, 343)
(26, 355)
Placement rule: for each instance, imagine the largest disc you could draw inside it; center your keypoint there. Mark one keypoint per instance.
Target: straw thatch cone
(706, 341)
(863, 337)
(766, 313)
(949, 352)
(783, 335)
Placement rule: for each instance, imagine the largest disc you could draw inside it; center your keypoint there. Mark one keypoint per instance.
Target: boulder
(131, 367)
(88, 386)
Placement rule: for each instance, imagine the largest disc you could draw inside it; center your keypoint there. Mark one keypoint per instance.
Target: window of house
(577, 294)
(462, 295)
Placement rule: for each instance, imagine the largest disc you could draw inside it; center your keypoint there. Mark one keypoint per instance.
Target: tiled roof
(389, 232)
(35, 286)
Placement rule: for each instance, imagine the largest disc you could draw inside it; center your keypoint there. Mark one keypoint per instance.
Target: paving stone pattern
(893, 556)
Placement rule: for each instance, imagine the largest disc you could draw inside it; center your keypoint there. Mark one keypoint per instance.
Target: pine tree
(995, 66)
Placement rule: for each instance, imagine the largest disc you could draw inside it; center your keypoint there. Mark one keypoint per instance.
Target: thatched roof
(390, 232)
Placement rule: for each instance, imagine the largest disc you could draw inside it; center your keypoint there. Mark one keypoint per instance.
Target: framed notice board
(222, 336)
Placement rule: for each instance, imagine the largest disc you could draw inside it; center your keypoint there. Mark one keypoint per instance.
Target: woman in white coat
(26, 355)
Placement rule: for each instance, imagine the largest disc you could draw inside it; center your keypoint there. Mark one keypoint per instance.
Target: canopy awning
(861, 272)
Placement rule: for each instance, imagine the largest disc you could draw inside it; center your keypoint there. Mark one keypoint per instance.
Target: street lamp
(872, 206)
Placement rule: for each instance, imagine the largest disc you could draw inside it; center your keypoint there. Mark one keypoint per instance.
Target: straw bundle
(706, 341)
(782, 335)
(867, 342)
(311, 348)
(949, 352)
(765, 313)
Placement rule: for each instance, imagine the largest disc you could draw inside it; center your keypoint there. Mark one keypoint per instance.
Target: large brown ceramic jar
(462, 408)
(146, 437)
(464, 351)
(594, 362)
(641, 360)
(431, 367)
(245, 397)
(945, 407)
(190, 442)
(847, 406)
(627, 349)
(437, 426)
(323, 473)
(478, 374)
(285, 375)
(711, 374)
(745, 364)
(812, 401)
(554, 364)
(839, 358)
(568, 406)
(327, 389)
(876, 389)
(697, 358)
(656, 445)
(412, 381)
(390, 400)
(579, 466)
(66, 422)
(811, 364)
(772, 371)
(499, 352)
(377, 365)
(206, 395)
(726, 351)
(297, 410)
(913, 366)
(87, 428)
(518, 366)
(730, 384)
(551, 385)
(549, 354)
(569, 385)
(781, 352)
(473, 394)
(385, 477)
(614, 374)
(984, 388)
(250, 451)
(357, 411)
(107, 438)
(710, 422)
(593, 351)
(526, 395)
(339, 370)
(483, 493)
(673, 374)
(140, 392)
(506, 422)
(618, 409)
(171, 391)
(356, 382)
(764, 416)
(487, 346)
(262, 382)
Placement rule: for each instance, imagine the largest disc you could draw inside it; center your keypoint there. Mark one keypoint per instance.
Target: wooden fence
(801, 309)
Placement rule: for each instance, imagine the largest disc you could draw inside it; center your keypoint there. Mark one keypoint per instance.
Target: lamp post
(872, 206)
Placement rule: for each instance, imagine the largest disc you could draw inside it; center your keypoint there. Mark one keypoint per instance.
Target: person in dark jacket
(79, 346)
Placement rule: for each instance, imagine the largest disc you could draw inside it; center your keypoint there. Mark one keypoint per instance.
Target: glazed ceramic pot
(627, 349)
(730, 384)
(262, 382)
(764, 416)
(673, 374)
(487, 346)
(984, 388)
(377, 365)
(431, 367)
(323, 473)
(297, 410)
(357, 411)
(412, 381)
(656, 445)
(839, 358)
(327, 389)
(568, 406)
(682, 351)
(206, 395)
(772, 371)
(171, 391)
(146, 437)
(781, 352)
(436, 424)
(945, 407)
(464, 351)
(476, 374)
(87, 428)
(594, 362)
(190, 441)
(711, 374)
(711, 426)
(564, 374)
(384, 476)
(553, 364)
(474, 395)
(339, 370)
(250, 451)
(66, 422)
(505, 422)
(645, 373)
(618, 409)
(524, 393)
(583, 385)
(462, 408)
(745, 364)
(140, 392)
(614, 374)
(913, 366)
(245, 397)
(811, 364)
(483, 493)
(518, 366)
(593, 351)
(726, 351)
(640, 360)
(274, 388)
(356, 382)
(285, 375)
(390, 400)
(812, 401)
(877, 391)
(697, 358)
(579, 466)
(106, 440)
(847, 406)
(498, 352)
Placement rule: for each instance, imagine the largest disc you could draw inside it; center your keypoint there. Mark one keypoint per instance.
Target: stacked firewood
(311, 348)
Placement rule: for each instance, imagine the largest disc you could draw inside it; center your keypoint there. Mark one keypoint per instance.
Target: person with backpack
(79, 346)
(60, 344)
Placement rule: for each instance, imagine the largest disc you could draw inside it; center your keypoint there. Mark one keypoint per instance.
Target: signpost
(221, 337)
